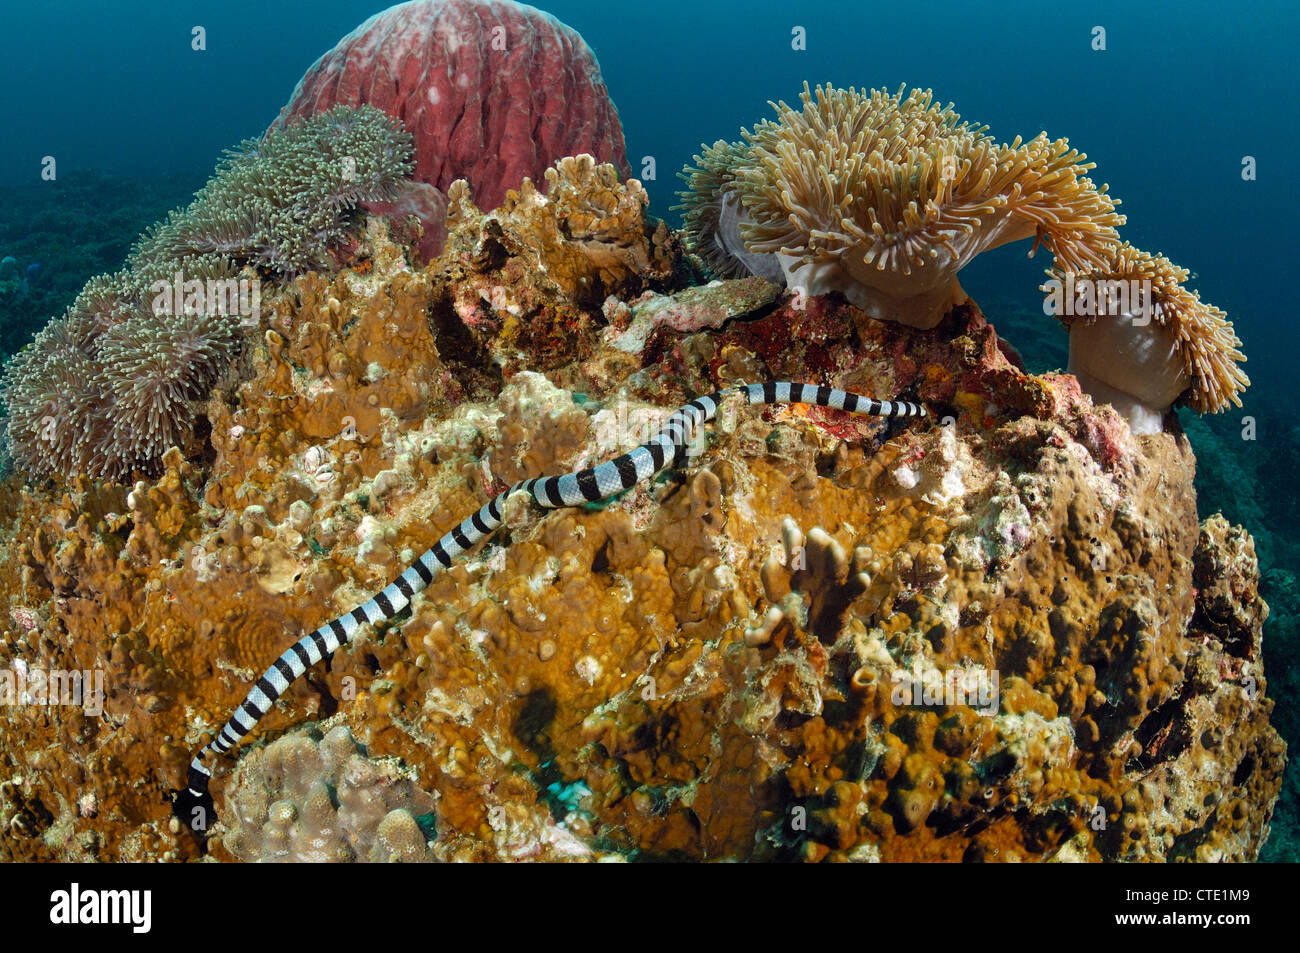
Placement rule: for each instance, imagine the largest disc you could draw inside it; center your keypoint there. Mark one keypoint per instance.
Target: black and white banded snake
(572, 489)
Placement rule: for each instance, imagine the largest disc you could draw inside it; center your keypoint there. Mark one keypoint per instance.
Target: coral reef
(526, 279)
(1003, 635)
(886, 197)
(671, 444)
(493, 92)
(110, 386)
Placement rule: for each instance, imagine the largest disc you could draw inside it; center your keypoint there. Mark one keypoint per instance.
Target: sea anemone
(152, 369)
(46, 386)
(713, 216)
(85, 399)
(1140, 350)
(886, 197)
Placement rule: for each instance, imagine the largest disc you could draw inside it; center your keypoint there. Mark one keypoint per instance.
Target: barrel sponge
(1184, 348)
(493, 91)
(886, 197)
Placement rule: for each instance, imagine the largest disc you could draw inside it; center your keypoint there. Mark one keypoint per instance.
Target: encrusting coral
(110, 386)
(886, 197)
(756, 656)
(589, 485)
(528, 277)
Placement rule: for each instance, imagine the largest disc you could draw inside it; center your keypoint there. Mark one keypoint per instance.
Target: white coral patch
(906, 477)
(368, 526)
(951, 487)
(315, 458)
(563, 841)
(588, 669)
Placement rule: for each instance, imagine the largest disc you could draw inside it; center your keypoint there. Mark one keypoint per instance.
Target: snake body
(572, 489)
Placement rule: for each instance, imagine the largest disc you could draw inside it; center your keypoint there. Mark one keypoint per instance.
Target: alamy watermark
(23, 685)
(1089, 297)
(225, 296)
(978, 688)
(77, 906)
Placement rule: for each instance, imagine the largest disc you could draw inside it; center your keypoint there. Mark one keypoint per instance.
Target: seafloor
(701, 668)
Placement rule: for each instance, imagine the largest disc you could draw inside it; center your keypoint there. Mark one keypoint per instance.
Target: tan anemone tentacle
(1176, 344)
(886, 197)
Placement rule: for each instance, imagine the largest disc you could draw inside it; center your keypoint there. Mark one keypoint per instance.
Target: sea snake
(572, 489)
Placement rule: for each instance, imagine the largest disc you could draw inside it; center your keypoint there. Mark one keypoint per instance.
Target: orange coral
(703, 668)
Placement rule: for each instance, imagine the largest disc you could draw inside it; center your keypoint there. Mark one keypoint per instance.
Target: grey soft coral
(110, 386)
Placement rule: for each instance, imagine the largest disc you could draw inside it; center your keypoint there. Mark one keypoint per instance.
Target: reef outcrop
(1001, 633)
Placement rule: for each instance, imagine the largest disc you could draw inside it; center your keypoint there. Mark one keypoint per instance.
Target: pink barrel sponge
(492, 91)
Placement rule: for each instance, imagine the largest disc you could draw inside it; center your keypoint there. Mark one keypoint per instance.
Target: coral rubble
(1000, 635)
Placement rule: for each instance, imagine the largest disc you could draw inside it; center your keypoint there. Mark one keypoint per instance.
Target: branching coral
(109, 386)
(1140, 350)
